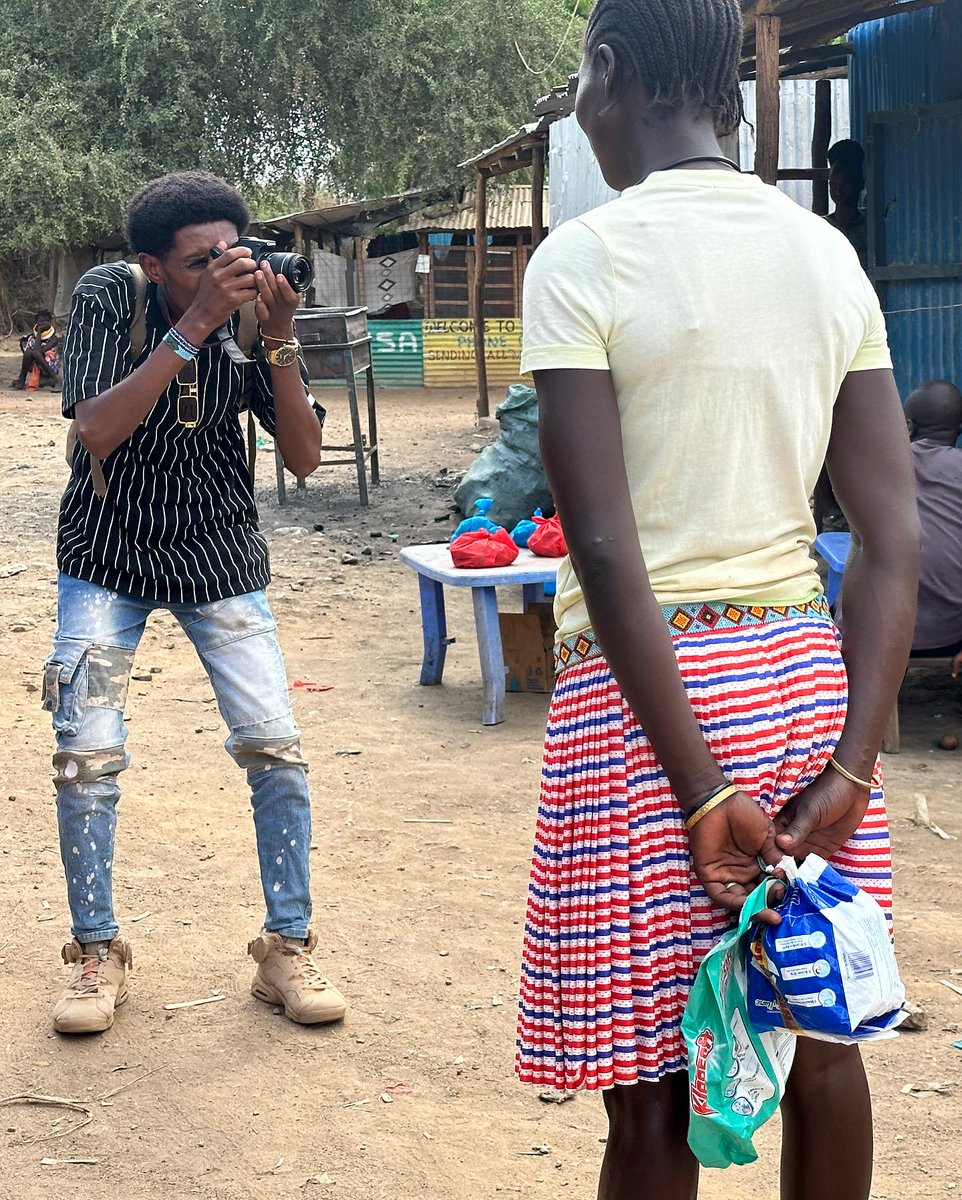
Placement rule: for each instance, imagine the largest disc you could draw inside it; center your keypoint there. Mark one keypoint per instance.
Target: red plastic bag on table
(481, 548)
(548, 540)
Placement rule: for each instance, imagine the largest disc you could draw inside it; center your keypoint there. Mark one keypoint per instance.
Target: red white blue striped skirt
(616, 921)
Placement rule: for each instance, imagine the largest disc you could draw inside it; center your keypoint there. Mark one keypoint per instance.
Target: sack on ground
(510, 469)
(736, 1073)
(829, 970)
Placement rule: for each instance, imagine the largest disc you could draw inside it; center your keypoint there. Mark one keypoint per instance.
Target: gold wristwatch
(283, 355)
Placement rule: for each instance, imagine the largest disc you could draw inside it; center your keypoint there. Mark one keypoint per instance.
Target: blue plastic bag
(829, 970)
(481, 521)
(524, 529)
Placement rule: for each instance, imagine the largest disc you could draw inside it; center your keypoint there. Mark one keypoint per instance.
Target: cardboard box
(528, 643)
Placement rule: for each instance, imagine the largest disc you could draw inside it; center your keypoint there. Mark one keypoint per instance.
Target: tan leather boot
(98, 985)
(287, 974)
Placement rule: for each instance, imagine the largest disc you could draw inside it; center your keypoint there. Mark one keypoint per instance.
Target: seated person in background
(846, 184)
(934, 414)
(40, 349)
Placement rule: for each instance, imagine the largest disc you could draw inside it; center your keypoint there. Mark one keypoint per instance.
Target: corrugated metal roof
(515, 150)
(814, 23)
(508, 208)
(359, 217)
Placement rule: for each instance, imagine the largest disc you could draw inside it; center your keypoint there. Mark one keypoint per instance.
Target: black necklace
(717, 158)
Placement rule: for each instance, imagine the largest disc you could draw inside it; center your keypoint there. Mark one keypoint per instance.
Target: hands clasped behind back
(726, 847)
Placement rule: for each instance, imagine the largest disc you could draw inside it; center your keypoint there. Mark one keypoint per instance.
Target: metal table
(336, 344)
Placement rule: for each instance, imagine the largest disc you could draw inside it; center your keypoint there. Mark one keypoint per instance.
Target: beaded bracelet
(175, 340)
(704, 806)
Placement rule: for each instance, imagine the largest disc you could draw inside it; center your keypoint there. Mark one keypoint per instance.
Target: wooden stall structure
(526, 148)
(447, 235)
(449, 251)
(340, 230)
(785, 38)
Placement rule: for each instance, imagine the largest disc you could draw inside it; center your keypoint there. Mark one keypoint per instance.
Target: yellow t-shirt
(728, 316)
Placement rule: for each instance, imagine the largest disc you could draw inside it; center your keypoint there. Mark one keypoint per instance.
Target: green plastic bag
(736, 1073)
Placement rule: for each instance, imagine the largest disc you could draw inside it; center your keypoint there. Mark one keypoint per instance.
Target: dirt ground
(420, 923)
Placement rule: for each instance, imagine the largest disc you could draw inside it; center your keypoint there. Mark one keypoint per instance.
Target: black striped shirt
(178, 523)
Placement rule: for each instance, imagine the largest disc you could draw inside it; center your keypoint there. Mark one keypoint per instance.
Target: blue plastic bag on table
(736, 1073)
(481, 521)
(524, 529)
(829, 970)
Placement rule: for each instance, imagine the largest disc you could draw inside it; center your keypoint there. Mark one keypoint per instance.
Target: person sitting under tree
(40, 351)
(159, 513)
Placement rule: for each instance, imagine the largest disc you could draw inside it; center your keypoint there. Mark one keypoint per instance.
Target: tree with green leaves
(281, 97)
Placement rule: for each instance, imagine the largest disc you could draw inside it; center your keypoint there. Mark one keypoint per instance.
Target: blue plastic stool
(834, 548)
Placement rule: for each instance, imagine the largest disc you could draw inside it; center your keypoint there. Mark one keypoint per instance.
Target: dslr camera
(295, 268)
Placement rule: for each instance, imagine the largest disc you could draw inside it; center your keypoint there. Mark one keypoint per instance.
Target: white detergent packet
(828, 970)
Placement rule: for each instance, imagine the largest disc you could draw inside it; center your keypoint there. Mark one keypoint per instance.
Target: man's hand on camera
(227, 283)
(276, 304)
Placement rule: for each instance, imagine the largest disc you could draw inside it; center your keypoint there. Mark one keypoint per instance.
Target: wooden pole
(480, 278)
(537, 196)
(768, 100)
(821, 138)
(427, 289)
(360, 282)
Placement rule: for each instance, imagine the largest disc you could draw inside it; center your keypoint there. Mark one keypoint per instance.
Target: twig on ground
(921, 817)
(130, 1082)
(37, 1098)
(193, 1003)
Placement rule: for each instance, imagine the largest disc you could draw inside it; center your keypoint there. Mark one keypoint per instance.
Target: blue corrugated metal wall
(902, 63)
(905, 61)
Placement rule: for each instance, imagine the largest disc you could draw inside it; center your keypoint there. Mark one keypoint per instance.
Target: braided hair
(679, 49)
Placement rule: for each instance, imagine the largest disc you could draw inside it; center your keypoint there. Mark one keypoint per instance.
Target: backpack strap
(246, 337)
(138, 324)
(138, 339)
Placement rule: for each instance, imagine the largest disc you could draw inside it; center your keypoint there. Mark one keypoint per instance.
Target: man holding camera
(159, 513)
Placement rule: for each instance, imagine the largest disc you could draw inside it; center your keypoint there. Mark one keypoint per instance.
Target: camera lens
(295, 268)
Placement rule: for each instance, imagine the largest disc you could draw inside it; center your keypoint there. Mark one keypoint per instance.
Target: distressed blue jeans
(85, 689)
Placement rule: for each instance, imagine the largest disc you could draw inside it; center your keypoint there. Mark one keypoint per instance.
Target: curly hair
(165, 205)
(679, 49)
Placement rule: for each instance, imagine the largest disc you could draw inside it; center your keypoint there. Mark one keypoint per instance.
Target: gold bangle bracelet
(713, 803)
(865, 783)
